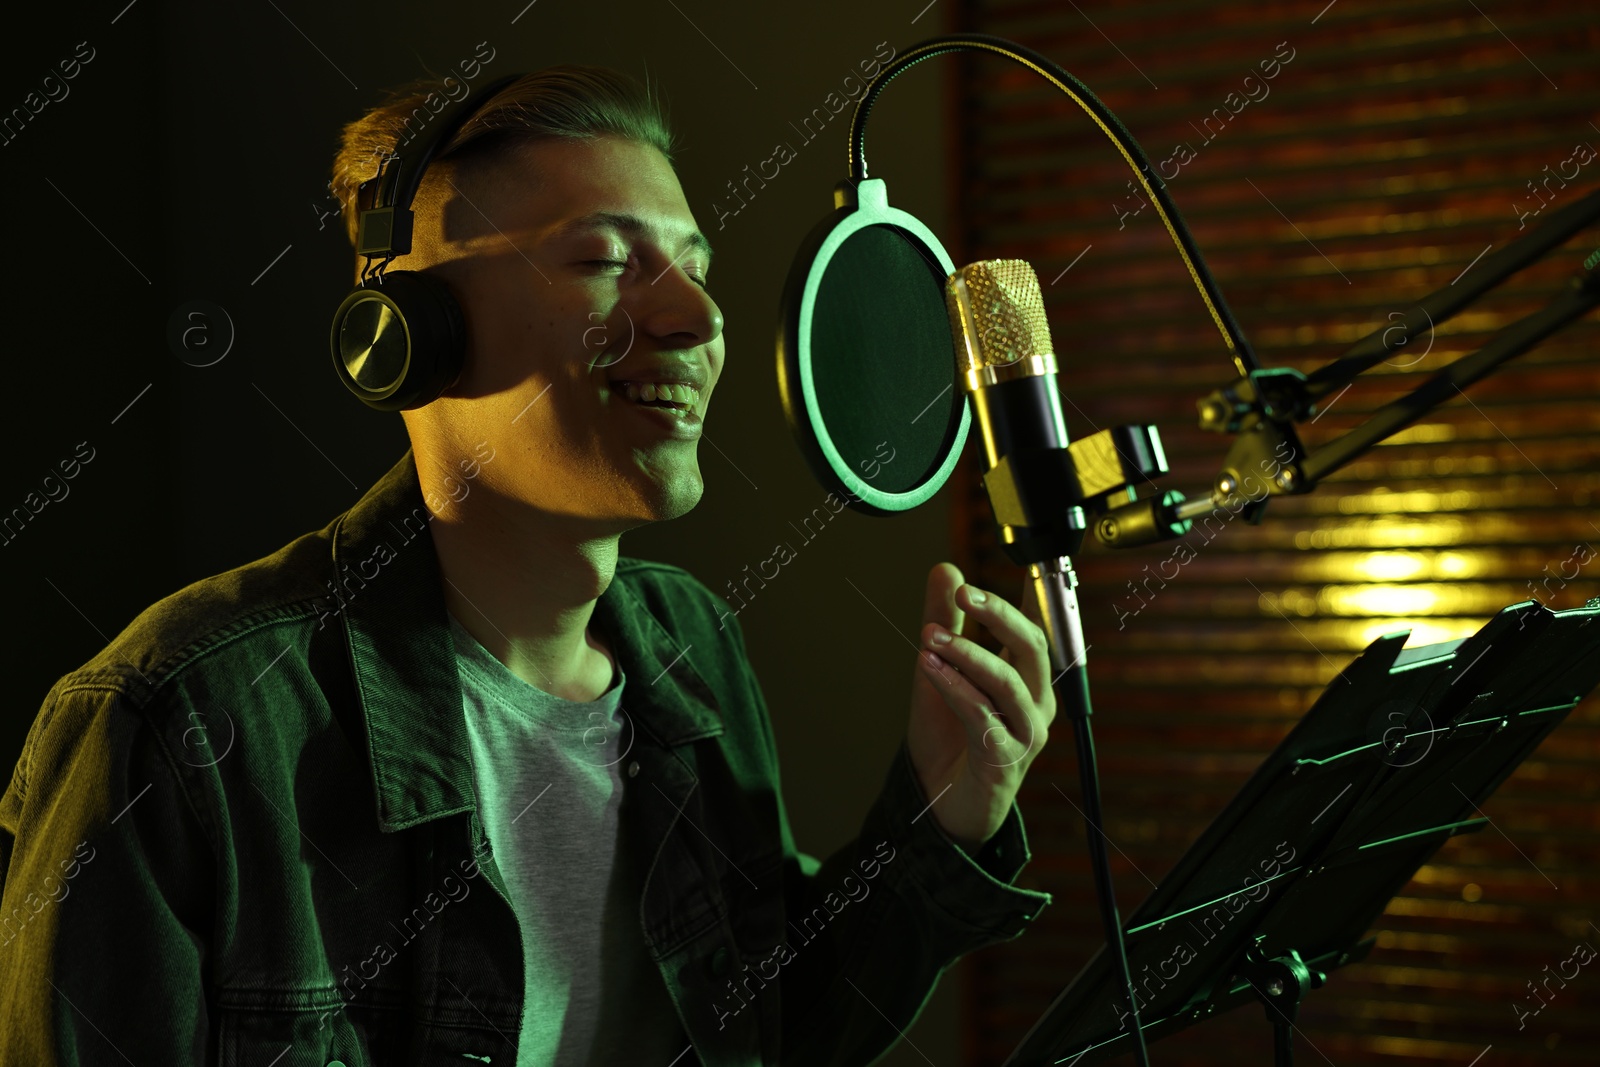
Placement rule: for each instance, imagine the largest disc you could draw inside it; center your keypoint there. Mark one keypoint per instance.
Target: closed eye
(701, 282)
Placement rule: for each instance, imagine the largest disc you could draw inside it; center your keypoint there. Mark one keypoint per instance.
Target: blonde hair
(571, 101)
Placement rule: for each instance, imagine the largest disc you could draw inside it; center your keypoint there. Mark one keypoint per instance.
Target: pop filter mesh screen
(883, 361)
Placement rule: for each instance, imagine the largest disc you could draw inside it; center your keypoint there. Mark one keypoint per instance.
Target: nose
(675, 307)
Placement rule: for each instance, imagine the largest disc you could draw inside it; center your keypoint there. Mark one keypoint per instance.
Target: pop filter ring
(859, 206)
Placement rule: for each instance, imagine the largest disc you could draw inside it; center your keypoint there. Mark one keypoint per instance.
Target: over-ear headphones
(399, 338)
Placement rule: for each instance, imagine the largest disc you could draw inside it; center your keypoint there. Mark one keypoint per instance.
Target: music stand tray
(1393, 759)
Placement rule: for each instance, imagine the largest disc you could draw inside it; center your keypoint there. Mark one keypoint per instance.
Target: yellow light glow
(1423, 631)
(1384, 600)
(1423, 433)
(1391, 566)
(1384, 532)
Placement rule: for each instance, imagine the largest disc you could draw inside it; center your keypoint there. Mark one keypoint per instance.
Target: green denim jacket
(245, 833)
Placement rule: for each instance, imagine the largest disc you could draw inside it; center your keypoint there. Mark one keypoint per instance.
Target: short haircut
(570, 101)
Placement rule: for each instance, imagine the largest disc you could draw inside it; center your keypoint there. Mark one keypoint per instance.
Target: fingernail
(932, 660)
(976, 595)
(941, 637)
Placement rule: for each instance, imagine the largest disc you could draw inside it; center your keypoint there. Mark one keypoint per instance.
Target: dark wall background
(189, 162)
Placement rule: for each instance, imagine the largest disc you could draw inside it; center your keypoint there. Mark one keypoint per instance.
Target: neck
(524, 582)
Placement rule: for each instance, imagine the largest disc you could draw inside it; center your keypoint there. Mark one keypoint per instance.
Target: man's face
(578, 267)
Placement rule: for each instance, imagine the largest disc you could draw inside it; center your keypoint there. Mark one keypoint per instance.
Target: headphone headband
(399, 340)
(384, 227)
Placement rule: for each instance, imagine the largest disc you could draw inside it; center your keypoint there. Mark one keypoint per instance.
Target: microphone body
(1009, 369)
(1008, 366)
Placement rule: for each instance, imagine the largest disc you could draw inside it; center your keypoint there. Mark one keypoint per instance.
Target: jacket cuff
(975, 889)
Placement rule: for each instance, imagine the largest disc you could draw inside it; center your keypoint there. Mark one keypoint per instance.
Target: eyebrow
(632, 225)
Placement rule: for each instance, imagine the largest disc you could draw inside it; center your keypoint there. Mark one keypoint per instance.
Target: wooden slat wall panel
(1394, 147)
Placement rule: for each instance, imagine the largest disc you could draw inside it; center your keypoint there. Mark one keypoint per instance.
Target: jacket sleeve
(104, 879)
(872, 927)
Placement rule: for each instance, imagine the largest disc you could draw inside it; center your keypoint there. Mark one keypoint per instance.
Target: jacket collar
(387, 582)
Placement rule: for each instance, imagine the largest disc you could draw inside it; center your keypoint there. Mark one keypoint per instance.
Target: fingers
(1021, 636)
(994, 679)
(983, 724)
(958, 693)
(939, 603)
(973, 679)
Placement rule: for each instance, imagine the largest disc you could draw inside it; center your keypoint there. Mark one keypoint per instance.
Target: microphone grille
(997, 310)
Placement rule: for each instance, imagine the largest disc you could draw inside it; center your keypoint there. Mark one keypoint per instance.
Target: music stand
(1393, 759)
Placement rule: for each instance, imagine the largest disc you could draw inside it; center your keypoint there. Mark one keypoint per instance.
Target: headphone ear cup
(399, 343)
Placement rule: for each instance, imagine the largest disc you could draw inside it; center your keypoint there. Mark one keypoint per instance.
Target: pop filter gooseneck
(1080, 94)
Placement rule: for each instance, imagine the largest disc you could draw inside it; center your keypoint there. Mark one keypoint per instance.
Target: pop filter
(866, 358)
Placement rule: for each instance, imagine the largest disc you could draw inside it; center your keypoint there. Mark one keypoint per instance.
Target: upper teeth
(646, 391)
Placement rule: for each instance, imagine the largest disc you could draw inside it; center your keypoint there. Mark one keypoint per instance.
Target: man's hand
(978, 720)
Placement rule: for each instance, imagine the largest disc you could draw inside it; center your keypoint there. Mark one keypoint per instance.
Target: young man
(450, 780)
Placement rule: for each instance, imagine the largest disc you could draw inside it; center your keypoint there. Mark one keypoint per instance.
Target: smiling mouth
(669, 396)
